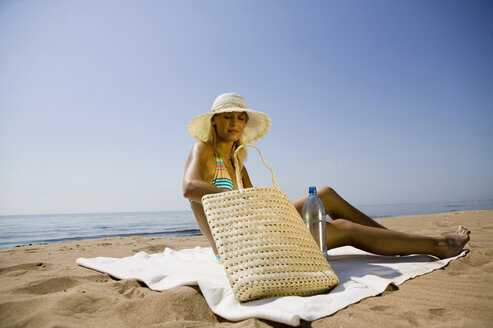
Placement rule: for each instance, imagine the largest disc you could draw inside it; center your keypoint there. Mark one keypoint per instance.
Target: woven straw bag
(266, 248)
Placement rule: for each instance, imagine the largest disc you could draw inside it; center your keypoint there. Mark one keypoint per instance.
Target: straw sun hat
(257, 126)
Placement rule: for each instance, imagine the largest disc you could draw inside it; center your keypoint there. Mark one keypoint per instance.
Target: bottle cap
(312, 190)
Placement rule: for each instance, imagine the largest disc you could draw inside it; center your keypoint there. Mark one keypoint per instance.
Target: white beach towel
(361, 275)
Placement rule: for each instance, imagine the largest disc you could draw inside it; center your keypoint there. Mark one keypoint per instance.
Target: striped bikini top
(222, 179)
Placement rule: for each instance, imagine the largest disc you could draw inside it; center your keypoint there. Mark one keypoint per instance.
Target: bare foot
(451, 245)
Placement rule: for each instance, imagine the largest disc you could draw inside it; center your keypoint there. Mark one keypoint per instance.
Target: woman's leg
(337, 208)
(389, 242)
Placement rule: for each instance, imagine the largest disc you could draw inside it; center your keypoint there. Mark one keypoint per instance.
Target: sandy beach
(42, 286)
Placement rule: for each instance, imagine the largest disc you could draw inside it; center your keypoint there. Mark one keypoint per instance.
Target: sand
(42, 286)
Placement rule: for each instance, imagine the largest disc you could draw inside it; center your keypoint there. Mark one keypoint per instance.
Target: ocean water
(47, 228)
(388, 210)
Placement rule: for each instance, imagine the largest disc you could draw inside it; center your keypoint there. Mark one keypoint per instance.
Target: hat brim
(258, 124)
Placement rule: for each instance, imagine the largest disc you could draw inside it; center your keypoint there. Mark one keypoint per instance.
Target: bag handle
(237, 166)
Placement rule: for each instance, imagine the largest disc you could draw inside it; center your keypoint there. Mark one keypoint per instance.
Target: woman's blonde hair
(242, 153)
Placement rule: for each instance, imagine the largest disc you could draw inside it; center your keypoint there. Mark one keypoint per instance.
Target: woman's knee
(326, 190)
(328, 194)
(331, 201)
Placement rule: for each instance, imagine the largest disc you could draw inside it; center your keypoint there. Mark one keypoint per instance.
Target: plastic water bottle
(313, 214)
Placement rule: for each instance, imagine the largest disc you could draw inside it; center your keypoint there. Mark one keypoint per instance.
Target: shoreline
(43, 286)
(63, 240)
(188, 232)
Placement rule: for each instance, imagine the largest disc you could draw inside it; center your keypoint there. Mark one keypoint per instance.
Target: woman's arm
(246, 179)
(198, 171)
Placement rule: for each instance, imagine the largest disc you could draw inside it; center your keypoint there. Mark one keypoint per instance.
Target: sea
(18, 230)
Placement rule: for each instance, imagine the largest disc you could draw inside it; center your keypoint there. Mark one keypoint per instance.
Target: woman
(210, 169)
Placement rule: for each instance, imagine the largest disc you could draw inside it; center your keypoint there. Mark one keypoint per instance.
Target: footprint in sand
(488, 267)
(477, 258)
(48, 286)
(79, 304)
(411, 317)
(22, 267)
(130, 288)
(151, 249)
(380, 308)
(101, 277)
(31, 250)
(18, 313)
(438, 311)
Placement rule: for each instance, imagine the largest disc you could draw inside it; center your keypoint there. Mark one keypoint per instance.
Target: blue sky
(385, 101)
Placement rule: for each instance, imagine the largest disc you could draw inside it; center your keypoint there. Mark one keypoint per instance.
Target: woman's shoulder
(203, 150)
(201, 162)
(203, 147)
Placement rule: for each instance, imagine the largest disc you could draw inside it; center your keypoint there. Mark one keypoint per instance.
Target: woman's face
(229, 126)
